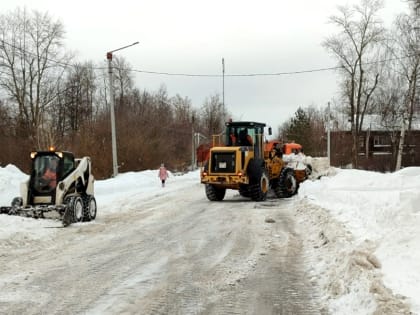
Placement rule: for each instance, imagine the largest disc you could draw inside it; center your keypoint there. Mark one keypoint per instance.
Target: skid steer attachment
(60, 186)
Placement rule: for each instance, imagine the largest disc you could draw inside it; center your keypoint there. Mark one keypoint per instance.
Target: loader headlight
(33, 154)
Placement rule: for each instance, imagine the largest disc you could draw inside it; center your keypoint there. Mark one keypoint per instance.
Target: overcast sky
(192, 37)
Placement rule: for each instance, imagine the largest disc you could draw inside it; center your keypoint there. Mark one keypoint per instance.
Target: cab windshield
(240, 136)
(45, 172)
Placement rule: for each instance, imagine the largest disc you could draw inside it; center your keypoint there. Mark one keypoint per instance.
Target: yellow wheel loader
(238, 160)
(58, 184)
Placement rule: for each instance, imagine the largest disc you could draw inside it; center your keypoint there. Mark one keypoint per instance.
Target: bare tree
(355, 48)
(74, 107)
(31, 61)
(123, 80)
(212, 115)
(406, 39)
(402, 83)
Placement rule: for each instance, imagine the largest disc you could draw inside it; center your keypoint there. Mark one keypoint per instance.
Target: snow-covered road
(332, 249)
(176, 253)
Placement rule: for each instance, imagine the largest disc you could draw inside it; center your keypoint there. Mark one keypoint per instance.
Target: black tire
(275, 186)
(259, 187)
(287, 182)
(89, 208)
(244, 191)
(214, 193)
(17, 202)
(258, 178)
(74, 210)
(78, 209)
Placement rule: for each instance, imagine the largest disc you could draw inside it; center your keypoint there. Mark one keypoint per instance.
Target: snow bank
(381, 210)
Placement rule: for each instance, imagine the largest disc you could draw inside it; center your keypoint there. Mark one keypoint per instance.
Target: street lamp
(111, 101)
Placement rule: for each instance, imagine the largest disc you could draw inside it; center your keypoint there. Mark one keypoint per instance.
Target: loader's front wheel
(258, 180)
(214, 193)
(259, 186)
(288, 184)
(244, 191)
(89, 208)
(275, 186)
(74, 210)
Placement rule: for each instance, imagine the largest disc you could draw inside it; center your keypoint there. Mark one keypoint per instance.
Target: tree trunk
(400, 146)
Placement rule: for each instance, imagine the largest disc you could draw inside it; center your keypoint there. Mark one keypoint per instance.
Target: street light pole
(113, 133)
(111, 101)
(329, 135)
(192, 144)
(223, 90)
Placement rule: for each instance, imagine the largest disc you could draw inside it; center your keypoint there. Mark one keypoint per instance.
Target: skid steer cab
(59, 185)
(238, 160)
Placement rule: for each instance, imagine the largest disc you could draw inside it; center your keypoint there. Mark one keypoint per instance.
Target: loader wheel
(17, 202)
(214, 193)
(258, 180)
(78, 209)
(287, 183)
(259, 186)
(275, 186)
(89, 208)
(74, 210)
(244, 191)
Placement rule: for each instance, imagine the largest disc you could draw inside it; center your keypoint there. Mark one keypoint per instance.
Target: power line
(261, 74)
(65, 64)
(237, 75)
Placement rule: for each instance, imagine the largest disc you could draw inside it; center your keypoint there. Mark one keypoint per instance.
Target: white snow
(372, 217)
(381, 213)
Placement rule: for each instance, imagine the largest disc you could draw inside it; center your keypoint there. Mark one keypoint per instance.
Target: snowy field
(369, 219)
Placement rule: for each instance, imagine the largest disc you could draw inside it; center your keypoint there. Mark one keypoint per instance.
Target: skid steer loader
(59, 184)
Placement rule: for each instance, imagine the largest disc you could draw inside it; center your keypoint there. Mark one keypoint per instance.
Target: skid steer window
(68, 165)
(45, 173)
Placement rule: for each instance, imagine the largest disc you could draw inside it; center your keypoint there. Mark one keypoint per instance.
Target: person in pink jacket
(163, 174)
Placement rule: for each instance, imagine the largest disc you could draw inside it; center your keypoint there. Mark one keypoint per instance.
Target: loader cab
(48, 169)
(248, 135)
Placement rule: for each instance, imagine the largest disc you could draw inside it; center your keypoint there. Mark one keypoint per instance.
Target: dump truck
(238, 159)
(59, 185)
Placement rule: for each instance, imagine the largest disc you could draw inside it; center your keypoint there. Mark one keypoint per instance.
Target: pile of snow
(361, 230)
(365, 239)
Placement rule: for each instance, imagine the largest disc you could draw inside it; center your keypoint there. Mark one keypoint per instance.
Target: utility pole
(223, 89)
(111, 102)
(192, 144)
(328, 135)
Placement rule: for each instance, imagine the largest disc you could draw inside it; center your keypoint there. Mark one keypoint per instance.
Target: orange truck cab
(289, 148)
